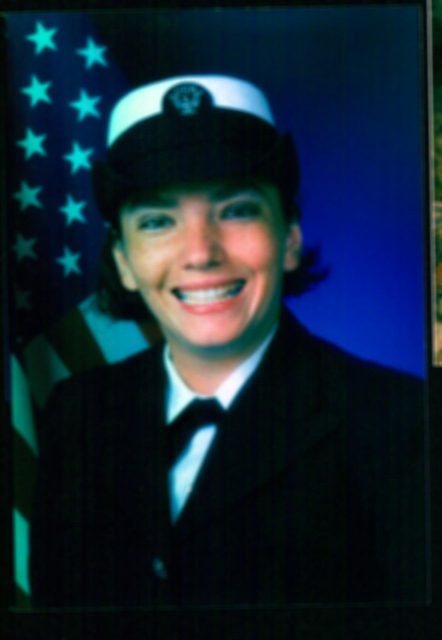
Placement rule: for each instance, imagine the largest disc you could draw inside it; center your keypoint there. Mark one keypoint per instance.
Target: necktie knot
(197, 414)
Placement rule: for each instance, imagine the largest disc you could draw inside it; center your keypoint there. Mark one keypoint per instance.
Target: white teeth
(206, 296)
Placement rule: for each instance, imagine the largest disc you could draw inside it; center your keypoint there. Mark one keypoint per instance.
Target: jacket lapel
(283, 412)
(141, 451)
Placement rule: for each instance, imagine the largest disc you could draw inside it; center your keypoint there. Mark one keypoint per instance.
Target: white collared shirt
(183, 475)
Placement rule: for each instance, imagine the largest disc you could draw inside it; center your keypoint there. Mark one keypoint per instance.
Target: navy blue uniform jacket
(313, 492)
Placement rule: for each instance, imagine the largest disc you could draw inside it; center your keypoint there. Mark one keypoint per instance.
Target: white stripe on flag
(22, 413)
(117, 339)
(21, 551)
(43, 367)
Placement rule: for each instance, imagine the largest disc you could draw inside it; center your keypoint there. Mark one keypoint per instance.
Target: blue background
(348, 83)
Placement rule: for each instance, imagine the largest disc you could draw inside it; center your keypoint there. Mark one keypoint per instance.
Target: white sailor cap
(191, 128)
(186, 96)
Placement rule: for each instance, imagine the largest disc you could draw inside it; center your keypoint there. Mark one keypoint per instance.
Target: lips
(209, 295)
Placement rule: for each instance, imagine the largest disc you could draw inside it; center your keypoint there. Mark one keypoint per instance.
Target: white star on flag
(79, 157)
(72, 210)
(37, 91)
(85, 105)
(24, 247)
(69, 262)
(42, 38)
(32, 143)
(93, 54)
(22, 301)
(28, 196)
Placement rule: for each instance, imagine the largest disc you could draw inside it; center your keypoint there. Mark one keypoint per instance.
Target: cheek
(259, 249)
(148, 268)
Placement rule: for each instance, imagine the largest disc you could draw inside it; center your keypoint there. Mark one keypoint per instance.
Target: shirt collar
(179, 395)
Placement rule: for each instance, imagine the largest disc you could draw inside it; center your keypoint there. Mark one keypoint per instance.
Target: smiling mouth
(209, 296)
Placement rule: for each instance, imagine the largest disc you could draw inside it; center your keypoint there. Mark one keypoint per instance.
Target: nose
(202, 247)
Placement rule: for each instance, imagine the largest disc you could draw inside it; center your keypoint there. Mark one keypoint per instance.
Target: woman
(302, 479)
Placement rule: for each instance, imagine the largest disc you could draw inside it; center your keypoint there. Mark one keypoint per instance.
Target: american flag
(61, 84)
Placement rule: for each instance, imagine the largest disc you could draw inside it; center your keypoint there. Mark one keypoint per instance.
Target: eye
(155, 222)
(245, 210)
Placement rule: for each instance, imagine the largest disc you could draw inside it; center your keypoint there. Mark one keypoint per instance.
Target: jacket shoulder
(98, 396)
(109, 378)
(377, 394)
(328, 354)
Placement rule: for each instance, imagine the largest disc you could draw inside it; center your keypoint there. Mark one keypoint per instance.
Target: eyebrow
(217, 193)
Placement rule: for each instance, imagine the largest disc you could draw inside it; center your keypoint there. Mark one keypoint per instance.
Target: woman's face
(208, 260)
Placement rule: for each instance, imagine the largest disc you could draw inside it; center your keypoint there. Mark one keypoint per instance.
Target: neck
(205, 370)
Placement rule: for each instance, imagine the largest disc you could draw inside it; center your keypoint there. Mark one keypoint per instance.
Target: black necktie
(197, 414)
